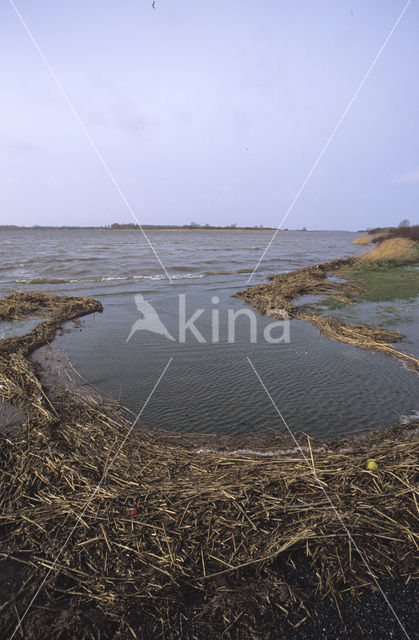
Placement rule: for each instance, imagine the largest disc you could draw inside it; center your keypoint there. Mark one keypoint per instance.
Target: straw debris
(285, 288)
(171, 535)
(19, 383)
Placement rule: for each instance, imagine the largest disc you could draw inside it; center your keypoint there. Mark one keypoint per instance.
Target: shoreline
(267, 506)
(343, 282)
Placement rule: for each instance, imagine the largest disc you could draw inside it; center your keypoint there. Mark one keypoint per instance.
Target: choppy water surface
(321, 387)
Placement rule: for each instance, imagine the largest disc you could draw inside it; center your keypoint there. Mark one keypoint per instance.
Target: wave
(162, 276)
(155, 276)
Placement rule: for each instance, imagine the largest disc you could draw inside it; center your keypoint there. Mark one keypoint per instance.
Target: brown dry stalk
(217, 539)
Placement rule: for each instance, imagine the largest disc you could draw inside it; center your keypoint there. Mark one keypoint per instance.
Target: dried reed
(172, 532)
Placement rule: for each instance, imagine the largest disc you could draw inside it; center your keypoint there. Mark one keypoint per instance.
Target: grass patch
(384, 282)
(332, 303)
(395, 319)
(323, 305)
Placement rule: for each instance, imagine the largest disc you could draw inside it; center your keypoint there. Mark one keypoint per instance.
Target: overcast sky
(210, 111)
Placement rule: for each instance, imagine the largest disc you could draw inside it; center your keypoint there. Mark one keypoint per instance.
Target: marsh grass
(384, 282)
(399, 250)
(364, 240)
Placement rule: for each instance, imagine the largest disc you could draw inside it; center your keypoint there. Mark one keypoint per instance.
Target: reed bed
(169, 535)
(391, 250)
(364, 240)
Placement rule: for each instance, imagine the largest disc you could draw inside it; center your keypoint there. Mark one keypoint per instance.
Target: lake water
(322, 387)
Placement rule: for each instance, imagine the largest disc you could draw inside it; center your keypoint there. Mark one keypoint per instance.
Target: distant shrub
(398, 232)
(406, 232)
(380, 230)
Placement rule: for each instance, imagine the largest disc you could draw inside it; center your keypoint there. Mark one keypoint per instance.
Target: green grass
(373, 282)
(325, 305)
(332, 303)
(394, 319)
(382, 283)
(385, 282)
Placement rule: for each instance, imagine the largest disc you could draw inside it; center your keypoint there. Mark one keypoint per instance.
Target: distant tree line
(133, 225)
(404, 230)
(191, 225)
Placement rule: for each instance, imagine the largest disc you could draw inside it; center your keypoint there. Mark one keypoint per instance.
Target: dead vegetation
(171, 535)
(20, 305)
(362, 240)
(392, 250)
(286, 288)
(19, 383)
